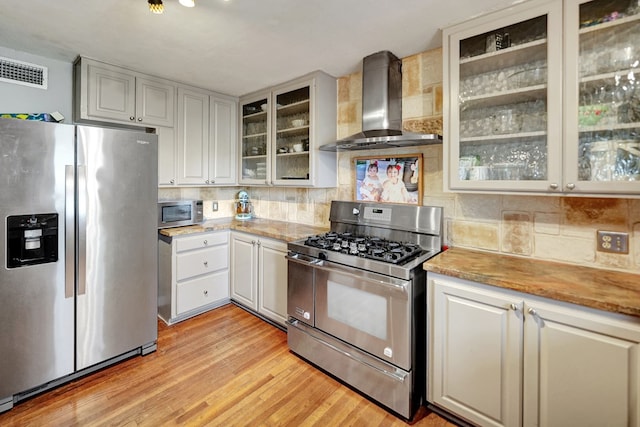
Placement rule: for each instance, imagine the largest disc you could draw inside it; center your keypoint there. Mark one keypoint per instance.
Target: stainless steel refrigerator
(78, 259)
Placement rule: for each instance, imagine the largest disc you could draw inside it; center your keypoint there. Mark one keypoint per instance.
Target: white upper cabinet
(602, 96)
(193, 137)
(282, 129)
(223, 139)
(531, 105)
(112, 94)
(206, 138)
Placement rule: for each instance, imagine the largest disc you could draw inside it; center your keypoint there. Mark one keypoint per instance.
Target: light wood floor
(222, 368)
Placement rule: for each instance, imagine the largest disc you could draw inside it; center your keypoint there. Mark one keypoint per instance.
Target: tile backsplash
(543, 227)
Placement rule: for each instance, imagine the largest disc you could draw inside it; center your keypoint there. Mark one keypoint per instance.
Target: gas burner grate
(371, 247)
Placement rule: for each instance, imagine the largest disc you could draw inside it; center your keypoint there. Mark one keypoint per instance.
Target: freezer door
(117, 243)
(36, 337)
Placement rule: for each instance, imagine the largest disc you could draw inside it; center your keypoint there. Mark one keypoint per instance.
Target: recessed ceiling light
(188, 3)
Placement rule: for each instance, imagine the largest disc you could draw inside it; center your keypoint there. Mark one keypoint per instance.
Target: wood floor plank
(221, 368)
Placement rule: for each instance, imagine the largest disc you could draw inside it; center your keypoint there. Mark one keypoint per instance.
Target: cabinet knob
(206, 263)
(536, 317)
(571, 186)
(206, 181)
(139, 119)
(172, 181)
(205, 242)
(253, 242)
(553, 186)
(513, 307)
(206, 293)
(212, 181)
(132, 118)
(259, 243)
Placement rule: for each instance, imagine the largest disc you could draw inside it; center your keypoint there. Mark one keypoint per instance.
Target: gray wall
(58, 96)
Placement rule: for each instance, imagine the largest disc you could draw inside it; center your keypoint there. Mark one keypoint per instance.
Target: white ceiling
(233, 47)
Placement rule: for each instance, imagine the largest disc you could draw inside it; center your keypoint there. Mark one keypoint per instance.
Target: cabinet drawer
(201, 241)
(203, 261)
(201, 291)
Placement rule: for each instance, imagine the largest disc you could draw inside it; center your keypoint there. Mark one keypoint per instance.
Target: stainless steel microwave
(178, 213)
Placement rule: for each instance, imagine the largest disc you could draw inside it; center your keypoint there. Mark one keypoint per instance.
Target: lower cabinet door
(192, 294)
(273, 280)
(581, 368)
(475, 349)
(244, 270)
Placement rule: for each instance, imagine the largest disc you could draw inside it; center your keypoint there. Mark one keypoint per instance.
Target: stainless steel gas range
(356, 299)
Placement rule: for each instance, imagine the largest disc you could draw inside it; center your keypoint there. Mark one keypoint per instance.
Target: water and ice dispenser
(32, 239)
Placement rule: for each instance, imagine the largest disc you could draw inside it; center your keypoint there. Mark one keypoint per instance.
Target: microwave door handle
(69, 230)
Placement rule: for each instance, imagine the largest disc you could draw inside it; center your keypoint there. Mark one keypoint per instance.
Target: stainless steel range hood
(382, 109)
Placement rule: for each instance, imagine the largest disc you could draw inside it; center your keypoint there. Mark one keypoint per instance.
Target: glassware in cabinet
(606, 157)
(292, 124)
(504, 84)
(254, 140)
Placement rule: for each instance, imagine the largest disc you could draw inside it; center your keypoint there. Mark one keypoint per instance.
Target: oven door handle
(303, 259)
(378, 279)
(394, 375)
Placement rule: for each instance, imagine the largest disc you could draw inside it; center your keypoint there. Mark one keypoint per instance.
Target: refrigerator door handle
(69, 245)
(82, 229)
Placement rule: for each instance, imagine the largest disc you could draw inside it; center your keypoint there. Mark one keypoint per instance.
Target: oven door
(367, 310)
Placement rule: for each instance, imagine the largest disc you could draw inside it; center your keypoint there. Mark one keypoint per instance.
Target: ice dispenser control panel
(32, 239)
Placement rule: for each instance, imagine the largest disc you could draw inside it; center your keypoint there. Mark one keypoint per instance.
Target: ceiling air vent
(23, 73)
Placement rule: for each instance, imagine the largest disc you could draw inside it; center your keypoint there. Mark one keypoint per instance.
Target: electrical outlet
(613, 241)
(214, 206)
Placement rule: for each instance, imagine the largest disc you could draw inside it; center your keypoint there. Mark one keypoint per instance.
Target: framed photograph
(389, 179)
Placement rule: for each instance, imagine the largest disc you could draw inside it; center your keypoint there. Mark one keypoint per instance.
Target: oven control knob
(356, 211)
(322, 255)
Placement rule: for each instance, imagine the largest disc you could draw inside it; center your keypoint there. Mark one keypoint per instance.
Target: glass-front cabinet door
(602, 153)
(505, 113)
(292, 123)
(282, 130)
(255, 141)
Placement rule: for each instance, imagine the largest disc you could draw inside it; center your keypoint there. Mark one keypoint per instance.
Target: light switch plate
(214, 206)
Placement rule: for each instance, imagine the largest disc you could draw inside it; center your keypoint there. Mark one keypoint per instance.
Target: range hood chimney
(382, 109)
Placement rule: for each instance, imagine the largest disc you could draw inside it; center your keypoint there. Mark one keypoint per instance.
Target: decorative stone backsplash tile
(581, 211)
(516, 233)
(411, 77)
(546, 223)
(564, 249)
(348, 113)
(424, 125)
(474, 234)
(431, 66)
(482, 207)
(614, 261)
(635, 247)
(418, 105)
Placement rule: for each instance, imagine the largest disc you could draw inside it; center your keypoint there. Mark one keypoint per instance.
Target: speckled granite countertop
(280, 230)
(596, 288)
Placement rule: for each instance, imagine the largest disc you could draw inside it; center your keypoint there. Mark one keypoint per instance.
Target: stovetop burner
(371, 247)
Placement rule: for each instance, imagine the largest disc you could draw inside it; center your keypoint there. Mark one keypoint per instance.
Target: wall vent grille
(23, 73)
